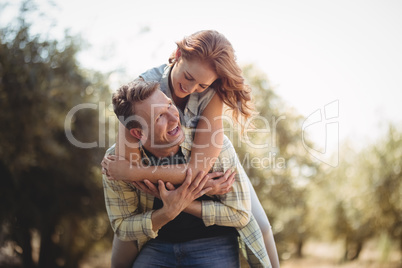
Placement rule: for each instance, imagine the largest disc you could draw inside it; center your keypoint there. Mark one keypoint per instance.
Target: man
(178, 227)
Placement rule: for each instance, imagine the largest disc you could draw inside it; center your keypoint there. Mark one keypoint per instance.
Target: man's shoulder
(227, 157)
(227, 146)
(111, 150)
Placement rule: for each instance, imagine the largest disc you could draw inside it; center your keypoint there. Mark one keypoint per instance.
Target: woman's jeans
(214, 252)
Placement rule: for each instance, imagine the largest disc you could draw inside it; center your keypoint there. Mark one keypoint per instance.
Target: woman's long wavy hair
(213, 48)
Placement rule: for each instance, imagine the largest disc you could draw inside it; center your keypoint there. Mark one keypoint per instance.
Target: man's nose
(174, 114)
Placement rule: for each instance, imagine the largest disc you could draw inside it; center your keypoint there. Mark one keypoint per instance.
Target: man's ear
(136, 133)
(178, 54)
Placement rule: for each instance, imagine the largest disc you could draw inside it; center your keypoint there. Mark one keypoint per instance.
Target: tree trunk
(352, 250)
(26, 248)
(47, 253)
(345, 256)
(299, 250)
(357, 250)
(400, 247)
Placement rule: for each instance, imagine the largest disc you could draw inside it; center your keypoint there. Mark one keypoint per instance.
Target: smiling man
(181, 227)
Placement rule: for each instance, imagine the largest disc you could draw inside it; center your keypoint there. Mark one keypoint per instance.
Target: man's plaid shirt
(130, 210)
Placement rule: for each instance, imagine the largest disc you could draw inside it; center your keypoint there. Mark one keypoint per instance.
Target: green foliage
(49, 186)
(277, 164)
(52, 189)
(361, 198)
(387, 182)
(356, 201)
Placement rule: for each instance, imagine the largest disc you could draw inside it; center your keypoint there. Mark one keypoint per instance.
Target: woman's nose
(192, 87)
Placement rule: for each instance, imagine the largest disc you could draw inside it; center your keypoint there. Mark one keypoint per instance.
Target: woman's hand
(148, 187)
(116, 168)
(221, 185)
(219, 182)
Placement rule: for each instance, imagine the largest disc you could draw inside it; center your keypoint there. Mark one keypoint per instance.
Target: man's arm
(231, 209)
(129, 223)
(122, 205)
(218, 187)
(228, 211)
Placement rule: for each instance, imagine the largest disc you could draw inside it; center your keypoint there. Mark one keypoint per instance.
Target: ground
(316, 255)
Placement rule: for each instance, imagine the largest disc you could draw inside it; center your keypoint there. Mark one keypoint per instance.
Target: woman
(201, 77)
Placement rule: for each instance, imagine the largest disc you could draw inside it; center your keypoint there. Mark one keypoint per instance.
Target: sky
(341, 57)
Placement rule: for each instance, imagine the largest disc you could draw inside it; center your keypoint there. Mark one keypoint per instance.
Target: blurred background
(326, 78)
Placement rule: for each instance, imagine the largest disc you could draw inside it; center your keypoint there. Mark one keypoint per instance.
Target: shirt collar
(188, 139)
(144, 156)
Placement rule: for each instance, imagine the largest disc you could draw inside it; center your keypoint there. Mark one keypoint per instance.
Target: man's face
(163, 128)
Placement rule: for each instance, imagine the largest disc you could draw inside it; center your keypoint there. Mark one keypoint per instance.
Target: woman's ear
(136, 133)
(178, 54)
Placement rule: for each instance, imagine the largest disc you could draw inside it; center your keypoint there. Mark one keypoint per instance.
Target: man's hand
(175, 201)
(219, 182)
(222, 185)
(148, 187)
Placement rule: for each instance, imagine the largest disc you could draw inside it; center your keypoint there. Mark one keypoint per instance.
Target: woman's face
(189, 76)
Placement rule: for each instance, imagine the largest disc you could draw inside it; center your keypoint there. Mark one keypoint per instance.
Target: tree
(279, 167)
(362, 195)
(52, 188)
(387, 182)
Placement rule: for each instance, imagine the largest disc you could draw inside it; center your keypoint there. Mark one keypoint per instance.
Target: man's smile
(174, 131)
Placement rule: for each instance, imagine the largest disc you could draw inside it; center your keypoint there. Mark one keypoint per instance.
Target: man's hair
(125, 98)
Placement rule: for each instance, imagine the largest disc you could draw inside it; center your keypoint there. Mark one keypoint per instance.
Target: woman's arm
(208, 138)
(205, 149)
(232, 209)
(265, 226)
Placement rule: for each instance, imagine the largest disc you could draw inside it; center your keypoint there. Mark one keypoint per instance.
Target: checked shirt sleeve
(234, 208)
(128, 219)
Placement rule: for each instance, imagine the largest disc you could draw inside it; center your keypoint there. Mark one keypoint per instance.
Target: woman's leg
(265, 226)
(263, 222)
(123, 253)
